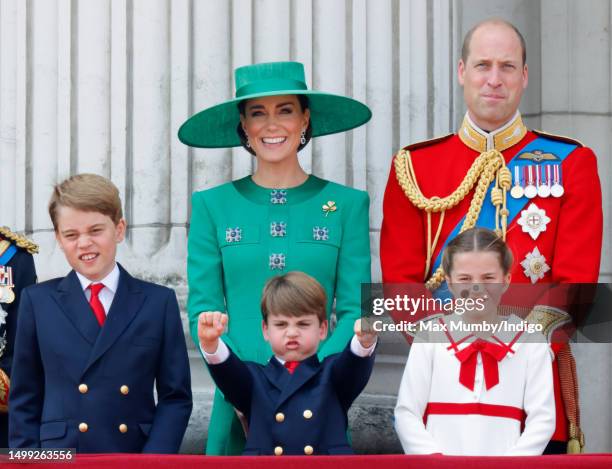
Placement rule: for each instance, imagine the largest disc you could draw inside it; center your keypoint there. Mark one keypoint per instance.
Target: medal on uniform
(544, 187)
(533, 221)
(530, 190)
(534, 265)
(517, 190)
(557, 189)
(6, 284)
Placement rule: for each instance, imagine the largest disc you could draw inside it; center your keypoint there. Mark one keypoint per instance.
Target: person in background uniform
(17, 271)
(539, 192)
(277, 220)
(91, 347)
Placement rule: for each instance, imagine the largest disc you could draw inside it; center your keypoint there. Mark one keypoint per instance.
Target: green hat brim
(215, 127)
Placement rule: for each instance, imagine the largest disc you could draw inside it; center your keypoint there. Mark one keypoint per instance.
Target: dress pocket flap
(237, 235)
(326, 233)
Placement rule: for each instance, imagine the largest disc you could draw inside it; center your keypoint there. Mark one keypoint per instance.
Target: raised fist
(366, 335)
(211, 325)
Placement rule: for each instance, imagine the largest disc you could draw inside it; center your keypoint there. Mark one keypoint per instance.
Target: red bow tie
(291, 366)
(491, 354)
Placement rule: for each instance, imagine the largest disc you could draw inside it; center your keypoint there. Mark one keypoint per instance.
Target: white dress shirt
(107, 294)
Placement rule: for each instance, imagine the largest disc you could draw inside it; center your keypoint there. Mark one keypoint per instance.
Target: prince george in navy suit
(294, 404)
(84, 374)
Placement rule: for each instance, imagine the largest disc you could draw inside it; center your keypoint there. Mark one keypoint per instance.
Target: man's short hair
(293, 294)
(465, 49)
(88, 193)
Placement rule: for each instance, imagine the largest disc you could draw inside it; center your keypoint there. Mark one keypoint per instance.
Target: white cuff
(218, 356)
(360, 350)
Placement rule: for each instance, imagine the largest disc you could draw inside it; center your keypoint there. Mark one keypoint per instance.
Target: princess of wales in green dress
(242, 234)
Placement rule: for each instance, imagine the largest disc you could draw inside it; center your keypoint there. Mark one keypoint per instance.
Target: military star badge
(533, 221)
(534, 265)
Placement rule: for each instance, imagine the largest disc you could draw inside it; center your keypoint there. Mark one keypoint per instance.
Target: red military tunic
(571, 243)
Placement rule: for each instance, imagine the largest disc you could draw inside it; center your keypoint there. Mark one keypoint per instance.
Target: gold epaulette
(426, 143)
(507, 310)
(561, 138)
(549, 317)
(19, 240)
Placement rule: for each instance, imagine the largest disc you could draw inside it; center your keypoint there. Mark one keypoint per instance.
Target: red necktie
(96, 304)
(491, 354)
(291, 366)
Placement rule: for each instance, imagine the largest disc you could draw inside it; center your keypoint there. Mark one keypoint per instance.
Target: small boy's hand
(211, 325)
(366, 335)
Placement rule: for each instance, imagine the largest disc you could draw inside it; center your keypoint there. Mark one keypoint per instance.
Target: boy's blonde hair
(293, 294)
(88, 193)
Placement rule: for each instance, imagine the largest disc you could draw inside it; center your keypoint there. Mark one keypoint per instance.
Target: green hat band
(272, 84)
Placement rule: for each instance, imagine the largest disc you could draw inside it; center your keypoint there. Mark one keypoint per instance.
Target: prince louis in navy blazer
(294, 404)
(91, 347)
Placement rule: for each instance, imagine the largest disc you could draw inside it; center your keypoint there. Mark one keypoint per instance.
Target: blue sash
(486, 219)
(8, 254)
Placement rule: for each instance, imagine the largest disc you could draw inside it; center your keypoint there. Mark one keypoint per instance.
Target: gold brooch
(330, 206)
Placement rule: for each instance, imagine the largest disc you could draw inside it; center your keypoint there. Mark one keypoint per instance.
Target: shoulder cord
(20, 241)
(569, 393)
(489, 166)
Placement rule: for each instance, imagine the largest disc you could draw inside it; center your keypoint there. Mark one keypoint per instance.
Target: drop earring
(303, 137)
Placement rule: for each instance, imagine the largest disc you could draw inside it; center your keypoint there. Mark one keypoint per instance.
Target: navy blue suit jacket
(313, 401)
(60, 346)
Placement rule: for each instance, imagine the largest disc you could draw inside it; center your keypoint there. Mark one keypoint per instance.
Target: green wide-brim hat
(215, 127)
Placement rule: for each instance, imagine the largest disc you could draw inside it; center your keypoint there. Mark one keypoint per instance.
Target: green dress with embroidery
(242, 234)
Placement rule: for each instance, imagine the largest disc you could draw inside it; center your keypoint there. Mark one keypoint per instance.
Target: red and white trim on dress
(474, 408)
